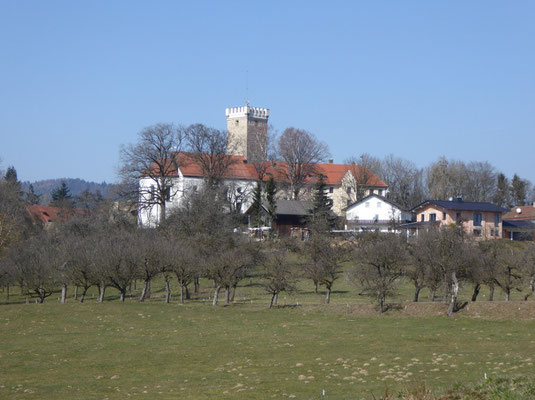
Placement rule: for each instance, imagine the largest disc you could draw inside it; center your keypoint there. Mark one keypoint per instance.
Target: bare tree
(363, 169)
(528, 267)
(209, 150)
(446, 254)
(405, 181)
(379, 262)
(153, 157)
(301, 151)
(264, 151)
(508, 276)
(323, 261)
(277, 270)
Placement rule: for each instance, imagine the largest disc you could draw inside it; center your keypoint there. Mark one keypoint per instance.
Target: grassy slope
(244, 351)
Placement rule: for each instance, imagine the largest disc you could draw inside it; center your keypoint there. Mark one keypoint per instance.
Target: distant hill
(44, 188)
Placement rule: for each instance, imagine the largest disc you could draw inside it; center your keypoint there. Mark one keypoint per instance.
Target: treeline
(203, 240)
(473, 181)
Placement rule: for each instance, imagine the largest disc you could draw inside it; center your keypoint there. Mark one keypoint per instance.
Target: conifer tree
(256, 207)
(271, 192)
(518, 191)
(322, 216)
(61, 197)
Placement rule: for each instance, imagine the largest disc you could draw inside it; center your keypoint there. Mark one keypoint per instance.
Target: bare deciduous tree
(301, 151)
(209, 150)
(277, 271)
(380, 259)
(152, 157)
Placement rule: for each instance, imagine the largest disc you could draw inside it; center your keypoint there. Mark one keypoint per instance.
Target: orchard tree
(277, 270)
(379, 263)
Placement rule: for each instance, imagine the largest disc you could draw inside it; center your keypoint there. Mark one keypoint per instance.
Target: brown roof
(526, 213)
(46, 214)
(240, 169)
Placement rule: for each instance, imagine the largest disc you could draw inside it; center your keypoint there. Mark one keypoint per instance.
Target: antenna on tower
(247, 87)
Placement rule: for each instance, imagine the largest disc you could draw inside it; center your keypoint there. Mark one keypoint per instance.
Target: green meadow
(246, 351)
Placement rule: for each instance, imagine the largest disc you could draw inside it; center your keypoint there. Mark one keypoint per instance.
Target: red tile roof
(527, 213)
(240, 169)
(46, 214)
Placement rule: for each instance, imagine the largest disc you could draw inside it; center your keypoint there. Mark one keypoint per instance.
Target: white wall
(375, 208)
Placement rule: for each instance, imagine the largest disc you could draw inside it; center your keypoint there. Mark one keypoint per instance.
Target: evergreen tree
(271, 192)
(518, 191)
(61, 197)
(11, 176)
(502, 196)
(322, 216)
(32, 197)
(256, 207)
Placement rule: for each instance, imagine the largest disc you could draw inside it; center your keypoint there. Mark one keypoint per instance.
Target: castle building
(247, 132)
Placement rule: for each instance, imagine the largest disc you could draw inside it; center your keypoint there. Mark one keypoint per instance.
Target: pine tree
(518, 191)
(502, 196)
(61, 197)
(32, 197)
(271, 192)
(256, 207)
(322, 216)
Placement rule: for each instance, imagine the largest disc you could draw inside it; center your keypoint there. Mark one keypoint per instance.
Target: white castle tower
(247, 132)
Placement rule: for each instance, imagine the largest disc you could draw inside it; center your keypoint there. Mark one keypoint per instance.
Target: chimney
(331, 161)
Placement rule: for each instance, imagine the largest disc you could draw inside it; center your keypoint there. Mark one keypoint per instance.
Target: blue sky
(418, 79)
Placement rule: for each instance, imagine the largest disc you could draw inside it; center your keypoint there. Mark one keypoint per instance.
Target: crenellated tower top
(247, 132)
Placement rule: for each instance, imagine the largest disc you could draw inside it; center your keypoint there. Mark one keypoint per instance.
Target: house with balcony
(481, 219)
(376, 213)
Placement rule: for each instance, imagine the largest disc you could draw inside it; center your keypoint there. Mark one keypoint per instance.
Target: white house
(375, 212)
(247, 130)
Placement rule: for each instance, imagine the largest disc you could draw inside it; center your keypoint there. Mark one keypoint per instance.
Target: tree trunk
(188, 296)
(63, 293)
(82, 297)
(149, 286)
(135, 284)
(491, 294)
(316, 287)
(144, 290)
(454, 292)
(272, 303)
(101, 292)
(276, 298)
(432, 294)
(76, 293)
(507, 294)
(227, 295)
(233, 292)
(123, 295)
(167, 289)
(7, 293)
(181, 293)
(382, 303)
(416, 293)
(477, 288)
(531, 286)
(328, 298)
(21, 283)
(196, 285)
(216, 295)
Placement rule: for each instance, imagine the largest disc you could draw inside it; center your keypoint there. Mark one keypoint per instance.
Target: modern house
(376, 213)
(481, 219)
(519, 223)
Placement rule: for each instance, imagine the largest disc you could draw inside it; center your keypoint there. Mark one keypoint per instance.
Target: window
(237, 122)
(330, 202)
(168, 194)
(152, 192)
(380, 192)
(496, 219)
(477, 219)
(367, 204)
(378, 204)
(492, 232)
(376, 218)
(477, 232)
(443, 215)
(432, 217)
(349, 190)
(348, 202)
(331, 189)
(458, 217)
(422, 217)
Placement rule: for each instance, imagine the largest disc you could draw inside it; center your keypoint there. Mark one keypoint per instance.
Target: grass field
(246, 351)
